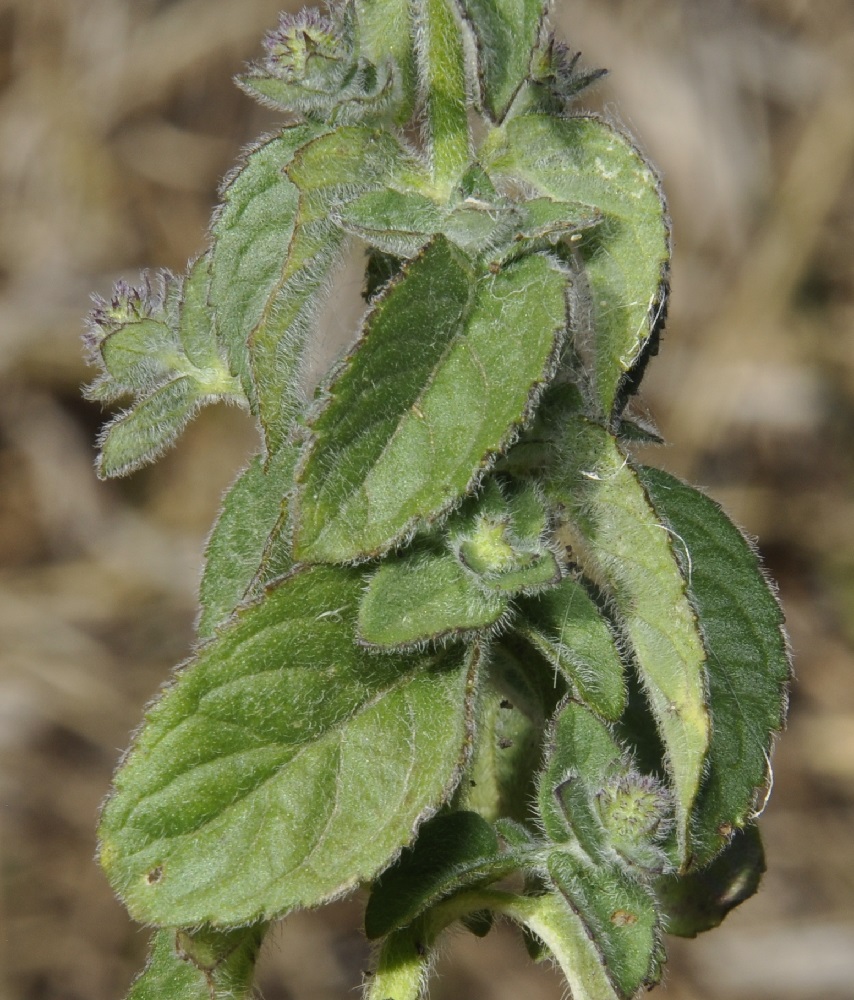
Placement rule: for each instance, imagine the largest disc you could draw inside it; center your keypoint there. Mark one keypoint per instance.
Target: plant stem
(401, 971)
(443, 82)
(385, 29)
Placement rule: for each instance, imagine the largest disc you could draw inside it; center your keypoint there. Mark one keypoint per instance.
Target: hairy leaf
(624, 548)
(249, 545)
(554, 921)
(386, 31)
(399, 444)
(421, 596)
(284, 765)
(506, 31)
(580, 755)
(206, 965)
(159, 347)
(568, 628)
(453, 851)
(314, 67)
(517, 696)
(402, 223)
(619, 915)
(748, 659)
(252, 235)
(585, 161)
(141, 434)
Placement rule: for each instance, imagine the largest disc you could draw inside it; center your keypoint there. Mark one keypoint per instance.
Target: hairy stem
(443, 79)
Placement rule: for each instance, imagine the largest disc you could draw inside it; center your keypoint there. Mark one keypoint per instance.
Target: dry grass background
(117, 117)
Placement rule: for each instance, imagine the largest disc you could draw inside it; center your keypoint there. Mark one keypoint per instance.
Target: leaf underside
(748, 660)
(624, 549)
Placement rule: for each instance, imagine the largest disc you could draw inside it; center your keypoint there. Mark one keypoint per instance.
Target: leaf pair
(710, 654)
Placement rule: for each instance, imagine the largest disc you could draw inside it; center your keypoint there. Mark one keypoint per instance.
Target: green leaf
(700, 900)
(205, 965)
(453, 851)
(517, 696)
(625, 261)
(275, 247)
(505, 541)
(141, 434)
(402, 222)
(138, 356)
(233, 806)
(591, 793)
(441, 57)
(195, 321)
(580, 756)
(402, 967)
(249, 545)
(555, 922)
(397, 446)
(314, 67)
(252, 236)
(625, 550)
(386, 31)
(601, 884)
(506, 31)
(159, 347)
(421, 596)
(568, 628)
(396, 222)
(748, 659)
(619, 914)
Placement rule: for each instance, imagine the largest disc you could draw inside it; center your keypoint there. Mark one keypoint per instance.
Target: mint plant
(457, 647)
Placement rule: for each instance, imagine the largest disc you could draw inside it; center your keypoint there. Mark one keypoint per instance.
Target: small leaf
(252, 236)
(141, 434)
(386, 30)
(313, 67)
(504, 541)
(625, 550)
(506, 31)
(395, 446)
(199, 966)
(139, 356)
(585, 161)
(158, 346)
(555, 922)
(580, 756)
(249, 545)
(700, 900)
(568, 628)
(602, 885)
(402, 223)
(453, 851)
(748, 658)
(232, 806)
(424, 596)
(516, 698)
(396, 222)
(620, 916)
(194, 321)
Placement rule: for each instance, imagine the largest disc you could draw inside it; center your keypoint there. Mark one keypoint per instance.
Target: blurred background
(117, 119)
